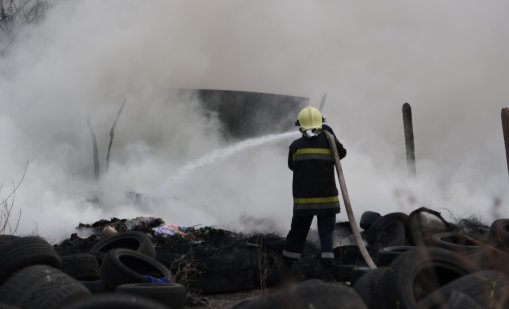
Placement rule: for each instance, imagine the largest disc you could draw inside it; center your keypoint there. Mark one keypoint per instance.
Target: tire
(499, 233)
(41, 287)
(113, 300)
(417, 273)
(456, 242)
(136, 241)
(460, 300)
(488, 289)
(348, 255)
(357, 273)
(369, 287)
(123, 266)
(5, 306)
(491, 258)
(368, 218)
(390, 230)
(245, 302)
(387, 255)
(422, 223)
(95, 286)
(171, 295)
(6, 238)
(342, 273)
(25, 251)
(308, 294)
(82, 266)
(457, 300)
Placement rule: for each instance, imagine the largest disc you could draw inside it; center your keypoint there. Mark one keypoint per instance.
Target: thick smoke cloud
(447, 59)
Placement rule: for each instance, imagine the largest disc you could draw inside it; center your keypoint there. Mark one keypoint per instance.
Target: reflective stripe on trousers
(292, 255)
(327, 255)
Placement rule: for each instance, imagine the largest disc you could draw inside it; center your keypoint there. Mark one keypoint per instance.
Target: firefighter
(314, 187)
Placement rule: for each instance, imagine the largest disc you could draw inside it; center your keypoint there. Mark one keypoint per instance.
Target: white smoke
(447, 59)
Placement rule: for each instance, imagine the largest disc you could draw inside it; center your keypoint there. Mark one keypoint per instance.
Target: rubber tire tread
(460, 300)
(25, 251)
(499, 233)
(6, 306)
(82, 266)
(307, 294)
(398, 283)
(369, 287)
(373, 233)
(114, 272)
(95, 286)
(41, 287)
(368, 218)
(418, 237)
(133, 240)
(387, 255)
(357, 273)
(6, 238)
(484, 287)
(114, 300)
(438, 241)
(172, 295)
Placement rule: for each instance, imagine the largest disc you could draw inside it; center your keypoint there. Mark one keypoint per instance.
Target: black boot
(288, 272)
(327, 270)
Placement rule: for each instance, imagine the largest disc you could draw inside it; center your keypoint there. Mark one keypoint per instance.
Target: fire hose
(348, 206)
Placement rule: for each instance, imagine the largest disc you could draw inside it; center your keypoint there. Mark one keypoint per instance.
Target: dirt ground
(221, 301)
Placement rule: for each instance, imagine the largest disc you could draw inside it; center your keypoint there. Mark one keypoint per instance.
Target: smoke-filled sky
(447, 58)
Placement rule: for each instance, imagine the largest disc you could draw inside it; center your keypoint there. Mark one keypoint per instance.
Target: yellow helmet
(310, 118)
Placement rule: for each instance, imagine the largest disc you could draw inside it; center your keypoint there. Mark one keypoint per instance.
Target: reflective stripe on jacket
(319, 204)
(313, 154)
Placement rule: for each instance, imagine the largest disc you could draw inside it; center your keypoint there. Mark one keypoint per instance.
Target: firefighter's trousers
(299, 230)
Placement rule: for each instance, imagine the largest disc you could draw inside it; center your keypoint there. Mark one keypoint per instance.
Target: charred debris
(212, 260)
(422, 261)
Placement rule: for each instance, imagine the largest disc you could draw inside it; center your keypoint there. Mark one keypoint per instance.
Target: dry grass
(8, 221)
(221, 301)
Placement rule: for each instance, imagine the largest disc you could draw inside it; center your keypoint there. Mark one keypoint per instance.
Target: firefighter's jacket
(314, 183)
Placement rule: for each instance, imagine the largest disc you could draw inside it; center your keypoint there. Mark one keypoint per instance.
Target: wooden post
(112, 133)
(505, 129)
(409, 139)
(97, 170)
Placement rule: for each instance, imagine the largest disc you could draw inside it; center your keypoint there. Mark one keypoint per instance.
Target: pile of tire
(423, 262)
(431, 263)
(433, 277)
(386, 237)
(389, 236)
(118, 272)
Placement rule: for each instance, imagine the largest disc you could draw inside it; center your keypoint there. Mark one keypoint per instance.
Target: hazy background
(447, 58)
